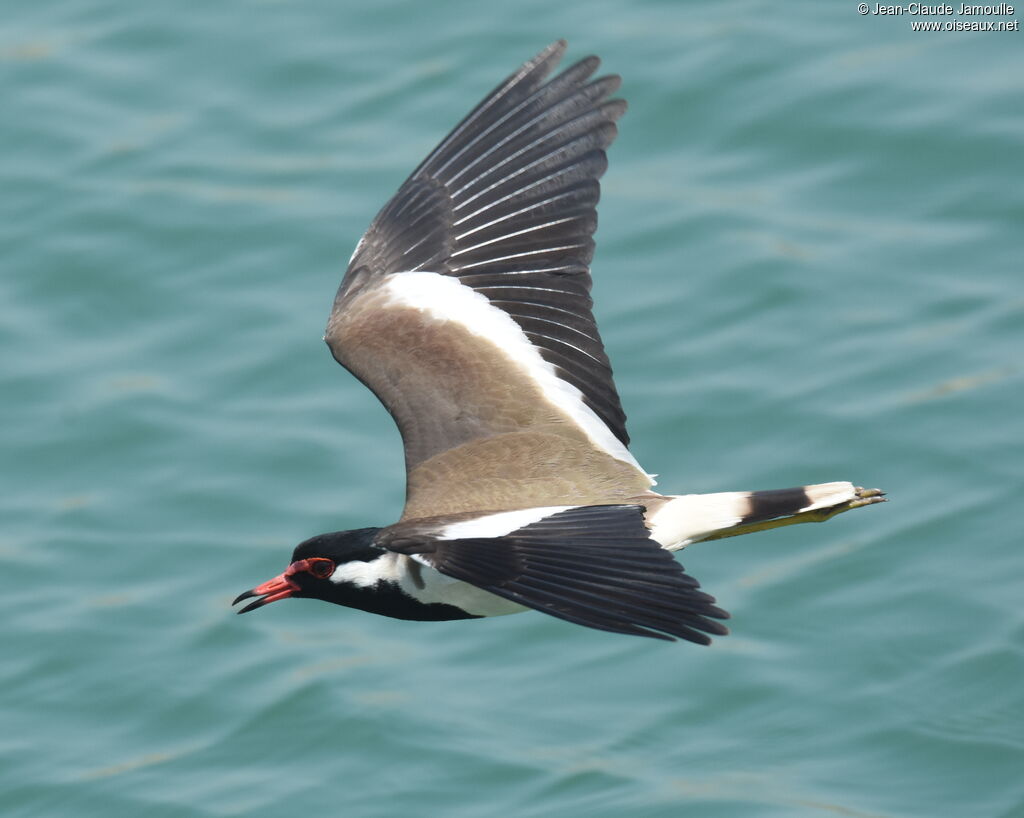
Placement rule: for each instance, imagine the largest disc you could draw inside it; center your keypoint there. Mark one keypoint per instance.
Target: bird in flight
(466, 310)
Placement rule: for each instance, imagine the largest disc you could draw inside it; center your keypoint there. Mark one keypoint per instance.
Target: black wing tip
(546, 59)
(551, 55)
(700, 632)
(559, 46)
(697, 630)
(614, 108)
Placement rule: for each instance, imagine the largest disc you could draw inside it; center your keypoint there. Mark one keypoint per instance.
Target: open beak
(280, 587)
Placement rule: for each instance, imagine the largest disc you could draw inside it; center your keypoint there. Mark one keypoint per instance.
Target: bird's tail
(688, 518)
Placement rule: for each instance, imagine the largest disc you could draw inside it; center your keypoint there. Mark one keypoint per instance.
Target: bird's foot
(862, 497)
(867, 497)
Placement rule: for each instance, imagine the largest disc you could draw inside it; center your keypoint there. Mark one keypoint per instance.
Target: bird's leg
(863, 497)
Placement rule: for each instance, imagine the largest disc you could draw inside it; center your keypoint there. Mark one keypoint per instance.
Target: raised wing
(594, 565)
(466, 306)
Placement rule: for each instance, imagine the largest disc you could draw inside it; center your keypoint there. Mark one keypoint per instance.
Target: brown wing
(466, 305)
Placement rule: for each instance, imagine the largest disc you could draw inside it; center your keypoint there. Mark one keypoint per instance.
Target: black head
(340, 546)
(313, 563)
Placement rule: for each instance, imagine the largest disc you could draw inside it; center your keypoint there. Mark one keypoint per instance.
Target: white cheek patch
(445, 298)
(367, 574)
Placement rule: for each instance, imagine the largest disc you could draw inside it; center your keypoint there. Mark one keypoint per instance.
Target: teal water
(809, 269)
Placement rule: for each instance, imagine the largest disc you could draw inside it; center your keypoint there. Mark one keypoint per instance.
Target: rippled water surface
(809, 269)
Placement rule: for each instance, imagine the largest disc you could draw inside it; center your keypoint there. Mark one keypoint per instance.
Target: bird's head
(314, 569)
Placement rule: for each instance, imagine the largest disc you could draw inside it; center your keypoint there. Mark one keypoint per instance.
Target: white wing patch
(498, 525)
(446, 299)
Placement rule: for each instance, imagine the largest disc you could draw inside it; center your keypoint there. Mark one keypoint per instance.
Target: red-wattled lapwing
(466, 309)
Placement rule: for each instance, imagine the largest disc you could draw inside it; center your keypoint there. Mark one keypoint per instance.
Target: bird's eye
(321, 567)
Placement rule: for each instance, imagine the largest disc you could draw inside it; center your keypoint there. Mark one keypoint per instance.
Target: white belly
(436, 587)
